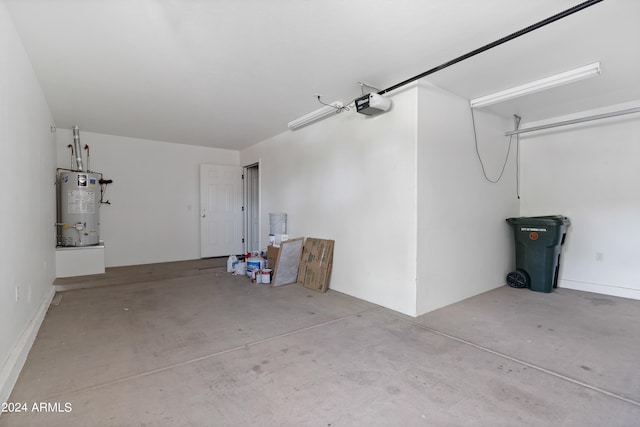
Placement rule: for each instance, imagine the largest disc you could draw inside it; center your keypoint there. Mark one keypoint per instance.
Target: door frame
(251, 205)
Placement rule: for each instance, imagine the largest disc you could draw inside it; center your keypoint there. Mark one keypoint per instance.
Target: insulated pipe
(78, 150)
(86, 147)
(73, 157)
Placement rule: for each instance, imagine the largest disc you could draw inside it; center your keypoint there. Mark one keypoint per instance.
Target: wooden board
(285, 269)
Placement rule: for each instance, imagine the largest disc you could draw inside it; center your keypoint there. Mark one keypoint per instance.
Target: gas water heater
(79, 203)
(79, 198)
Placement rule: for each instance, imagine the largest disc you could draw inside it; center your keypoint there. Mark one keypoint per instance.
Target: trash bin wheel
(518, 279)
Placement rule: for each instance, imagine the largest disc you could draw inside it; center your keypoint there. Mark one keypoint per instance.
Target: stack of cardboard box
(314, 269)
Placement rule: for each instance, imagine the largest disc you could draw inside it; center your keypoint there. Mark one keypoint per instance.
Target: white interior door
(220, 210)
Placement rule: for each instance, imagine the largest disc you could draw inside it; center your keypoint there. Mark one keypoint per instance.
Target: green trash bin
(539, 240)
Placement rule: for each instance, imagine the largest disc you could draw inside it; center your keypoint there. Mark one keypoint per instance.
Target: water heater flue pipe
(78, 150)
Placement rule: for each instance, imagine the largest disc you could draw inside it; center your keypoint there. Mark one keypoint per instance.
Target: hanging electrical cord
(338, 109)
(347, 106)
(518, 161)
(506, 158)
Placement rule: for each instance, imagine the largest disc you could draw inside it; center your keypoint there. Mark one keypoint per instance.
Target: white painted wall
(155, 197)
(27, 205)
(589, 172)
(464, 244)
(352, 179)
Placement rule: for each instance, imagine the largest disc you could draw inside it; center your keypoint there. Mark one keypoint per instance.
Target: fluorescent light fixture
(570, 76)
(318, 114)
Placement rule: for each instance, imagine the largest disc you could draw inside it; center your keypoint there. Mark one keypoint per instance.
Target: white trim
(598, 288)
(18, 355)
(80, 261)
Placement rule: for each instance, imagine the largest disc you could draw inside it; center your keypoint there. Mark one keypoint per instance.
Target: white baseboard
(18, 355)
(598, 288)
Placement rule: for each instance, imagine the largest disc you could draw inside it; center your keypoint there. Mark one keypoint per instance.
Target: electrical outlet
(17, 293)
(599, 256)
(29, 294)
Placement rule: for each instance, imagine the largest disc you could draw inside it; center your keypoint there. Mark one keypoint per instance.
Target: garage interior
(418, 326)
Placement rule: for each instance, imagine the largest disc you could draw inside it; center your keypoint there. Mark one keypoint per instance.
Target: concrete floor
(188, 344)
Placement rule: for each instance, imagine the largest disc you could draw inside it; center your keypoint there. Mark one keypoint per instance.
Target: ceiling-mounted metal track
(498, 42)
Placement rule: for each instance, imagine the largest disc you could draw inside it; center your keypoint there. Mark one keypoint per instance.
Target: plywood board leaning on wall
(272, 255)
(316, 263)
(287, 262)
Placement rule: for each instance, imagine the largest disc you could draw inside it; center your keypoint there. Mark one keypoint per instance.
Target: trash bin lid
(540, 220)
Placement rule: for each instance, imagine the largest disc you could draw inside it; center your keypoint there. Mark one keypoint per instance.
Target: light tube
(318, 114)
(570, 76)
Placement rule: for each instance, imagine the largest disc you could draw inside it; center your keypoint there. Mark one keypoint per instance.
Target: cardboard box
(316, 263)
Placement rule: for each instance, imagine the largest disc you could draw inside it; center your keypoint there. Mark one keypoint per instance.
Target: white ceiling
(231, 73)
